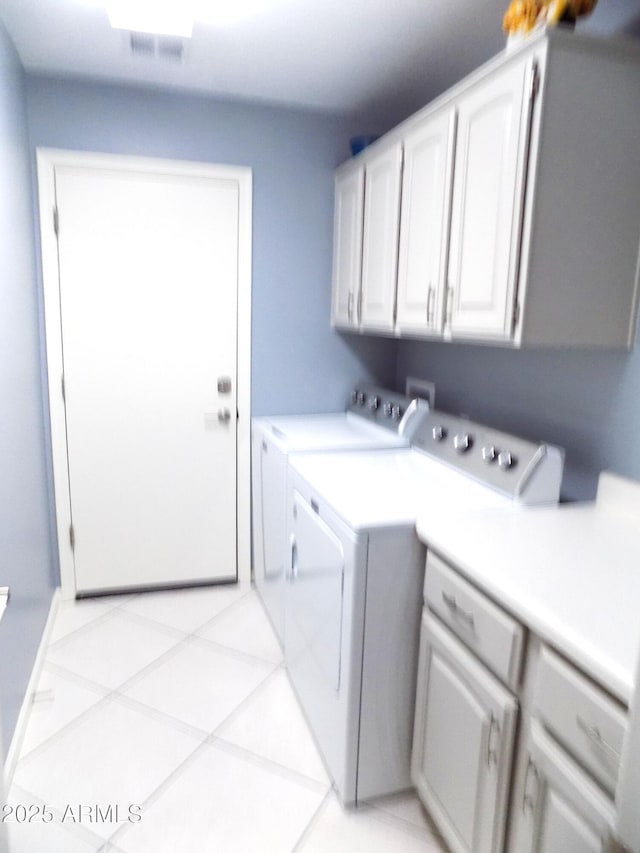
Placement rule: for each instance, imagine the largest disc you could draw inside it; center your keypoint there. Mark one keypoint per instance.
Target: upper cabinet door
(424, 224)
(380, 240)
(347, 245)
(488, 194)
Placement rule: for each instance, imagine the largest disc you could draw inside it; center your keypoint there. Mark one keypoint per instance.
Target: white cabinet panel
(487, 203)
(463, 743)
(560, 808)
(380, 239)
(347, 245)
(424, 228)
(508, 238)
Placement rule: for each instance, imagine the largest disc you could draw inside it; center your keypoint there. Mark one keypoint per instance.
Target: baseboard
(23, 717)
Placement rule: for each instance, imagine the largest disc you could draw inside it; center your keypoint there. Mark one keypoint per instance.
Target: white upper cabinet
(365, 255)
(487, 203)
(380, 239)
(424, 233)
(520, 205)
(347, 245)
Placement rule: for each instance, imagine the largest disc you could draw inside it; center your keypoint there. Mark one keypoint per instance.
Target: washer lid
(327, 432)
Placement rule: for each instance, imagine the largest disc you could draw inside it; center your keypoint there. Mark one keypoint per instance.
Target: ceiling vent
(149, 46)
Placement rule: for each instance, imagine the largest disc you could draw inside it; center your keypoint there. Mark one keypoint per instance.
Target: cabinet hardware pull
(593, 733)
(457, 611)
(492, 752)
(429, 303)
(293, 573)
(529, 799)
(350, 306)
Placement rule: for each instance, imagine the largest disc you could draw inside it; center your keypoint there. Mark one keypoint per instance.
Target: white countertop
(570, 573)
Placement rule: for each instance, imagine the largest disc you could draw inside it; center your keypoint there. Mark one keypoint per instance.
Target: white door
(148, 290)
(380, 239)
(424, 224)
(347, 246)
(560, 808)
(487, 202)
(463, 743)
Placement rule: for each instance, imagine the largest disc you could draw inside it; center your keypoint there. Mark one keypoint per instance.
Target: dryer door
(315, 614)
(324, 630)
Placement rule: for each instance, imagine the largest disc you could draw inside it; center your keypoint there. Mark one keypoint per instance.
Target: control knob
(462, 442)
(439, 432)
(396, 412)
(374, 402)
(489, 453)
(506, 460)
(387, 409)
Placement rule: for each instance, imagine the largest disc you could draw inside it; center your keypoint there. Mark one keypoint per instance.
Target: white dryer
(375, 419)
(355, 577)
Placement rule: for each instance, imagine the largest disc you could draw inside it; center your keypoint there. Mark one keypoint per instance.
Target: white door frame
(47, 161)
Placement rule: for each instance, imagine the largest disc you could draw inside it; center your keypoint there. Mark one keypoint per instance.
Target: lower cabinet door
(560, 809)
(463, 743)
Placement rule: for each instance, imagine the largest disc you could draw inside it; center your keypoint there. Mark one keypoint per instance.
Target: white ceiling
(370, 57)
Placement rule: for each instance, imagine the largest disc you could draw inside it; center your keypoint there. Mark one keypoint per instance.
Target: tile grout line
(119, 691)
(313, 820)
(165, 784)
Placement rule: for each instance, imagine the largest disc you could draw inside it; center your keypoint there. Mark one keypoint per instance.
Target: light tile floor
(165, 722)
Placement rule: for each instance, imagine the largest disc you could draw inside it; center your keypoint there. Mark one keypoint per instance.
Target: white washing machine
(355, 577)
(375, 419)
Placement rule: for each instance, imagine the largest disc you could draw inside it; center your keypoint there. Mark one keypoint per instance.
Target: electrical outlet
(415, 387)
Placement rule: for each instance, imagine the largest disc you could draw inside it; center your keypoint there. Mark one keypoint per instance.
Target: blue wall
(299, 364)
(585, 401)
(26, 562)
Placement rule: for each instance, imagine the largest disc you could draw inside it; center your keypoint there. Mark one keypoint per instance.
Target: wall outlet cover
(423, 388)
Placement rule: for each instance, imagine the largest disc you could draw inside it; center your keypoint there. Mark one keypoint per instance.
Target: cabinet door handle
(293, 571)
(492, 751)
(350, 306)
(529, 796)
(457, 611)
(429, 303)
(593, 733)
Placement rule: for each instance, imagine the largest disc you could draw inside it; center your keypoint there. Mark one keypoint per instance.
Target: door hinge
(72, 537)
(56, 221)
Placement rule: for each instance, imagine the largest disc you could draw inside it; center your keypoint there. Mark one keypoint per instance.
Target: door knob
(224, 415)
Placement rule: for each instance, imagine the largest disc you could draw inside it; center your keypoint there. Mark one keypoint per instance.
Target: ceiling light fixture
(177, 17)
(160, 17)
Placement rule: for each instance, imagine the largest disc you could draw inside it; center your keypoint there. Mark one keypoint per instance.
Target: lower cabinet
(559, 809)
(553, 790)
(463, 742)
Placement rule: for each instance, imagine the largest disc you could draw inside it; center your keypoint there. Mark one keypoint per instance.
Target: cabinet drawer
(581, 716)
(493, 635)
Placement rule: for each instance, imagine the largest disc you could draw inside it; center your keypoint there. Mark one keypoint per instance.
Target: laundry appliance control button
(506, 460)
(462, 442)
